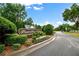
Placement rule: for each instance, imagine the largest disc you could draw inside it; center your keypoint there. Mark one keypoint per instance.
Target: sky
(47, 13)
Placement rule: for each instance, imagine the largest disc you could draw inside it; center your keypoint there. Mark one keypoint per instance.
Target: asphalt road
(63, 45)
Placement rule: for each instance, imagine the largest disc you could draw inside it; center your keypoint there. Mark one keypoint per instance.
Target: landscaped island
(13, 33)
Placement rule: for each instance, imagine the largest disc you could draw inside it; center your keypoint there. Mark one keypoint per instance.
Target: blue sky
(47, 13)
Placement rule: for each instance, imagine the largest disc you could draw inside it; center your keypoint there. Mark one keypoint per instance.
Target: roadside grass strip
(74, 34)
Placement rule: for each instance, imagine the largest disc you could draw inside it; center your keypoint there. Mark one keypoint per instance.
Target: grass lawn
(56, 31)
(73, 34)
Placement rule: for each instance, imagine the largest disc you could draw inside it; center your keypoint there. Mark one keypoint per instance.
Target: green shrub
(7, 26)
(40, 39)
(34, 41)
(28, 43)
(16, 46)
(35, 35)
(38, 34)
(41, 33)
(48, 29)
(2, 47)
(15, 38)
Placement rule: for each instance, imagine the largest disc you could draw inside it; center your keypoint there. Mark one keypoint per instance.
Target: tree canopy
(72, 14)
(29, 21)
(13, 12)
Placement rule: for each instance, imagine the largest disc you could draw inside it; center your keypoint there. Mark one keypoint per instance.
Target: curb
(32, 48)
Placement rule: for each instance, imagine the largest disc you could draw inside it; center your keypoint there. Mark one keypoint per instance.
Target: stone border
(32, 48)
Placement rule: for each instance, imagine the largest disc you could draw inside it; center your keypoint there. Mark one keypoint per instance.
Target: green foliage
(14, 12)
(38, 34)
(38, 27)
(20, 24)
(34, 39)
(29, 21)
(28, 43)
(72, 14)
(65, 27)
(48, 29)
(40, 39)
(11, 39)
(2, 47)
(66, 14)
(7, 26)
(16, 46)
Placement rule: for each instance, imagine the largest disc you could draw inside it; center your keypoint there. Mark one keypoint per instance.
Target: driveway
(63, 45)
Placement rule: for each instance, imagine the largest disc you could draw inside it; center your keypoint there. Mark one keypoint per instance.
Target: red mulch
(9, 50)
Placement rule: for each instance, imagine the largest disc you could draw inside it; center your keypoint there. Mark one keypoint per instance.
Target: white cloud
(31, 2)
(37, 8)
(28, 7)
(46, 22)
(59, 23)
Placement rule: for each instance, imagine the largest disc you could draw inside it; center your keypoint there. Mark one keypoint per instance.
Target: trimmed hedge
(2, 47)
(16, 46)
(11, 39)
(37, 34)
(40, 39)
(7, 26)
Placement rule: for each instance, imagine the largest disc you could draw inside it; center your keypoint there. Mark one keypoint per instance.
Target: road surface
(63, 45)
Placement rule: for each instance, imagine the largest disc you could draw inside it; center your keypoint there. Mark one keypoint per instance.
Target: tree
(29, 21)
(20, 24)
(6, 27)
(72, 14)
(74, 27)
(38, 27)
(48, 29)
(64, 27)
(13, 12)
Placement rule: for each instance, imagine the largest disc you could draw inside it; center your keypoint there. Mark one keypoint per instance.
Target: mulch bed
(9, 50)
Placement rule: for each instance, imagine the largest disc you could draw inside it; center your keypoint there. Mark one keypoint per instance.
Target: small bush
(40, 39)
(28, 43)
(34, 39)
(35, 35)
(15, 38)
(2, 47)
(41, 33)
(21, 39)
(38, 34)
(48, 29)
(16, 46)
(7, 26)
